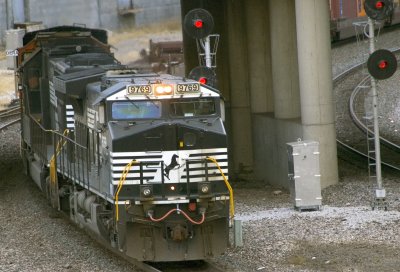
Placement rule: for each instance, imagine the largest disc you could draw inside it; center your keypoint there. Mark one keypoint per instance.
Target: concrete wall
(92, 13)
(6, 18)
(156, 11)
(270, 136)
(65, 12)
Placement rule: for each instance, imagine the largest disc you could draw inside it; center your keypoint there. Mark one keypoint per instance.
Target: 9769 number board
(188, 88)
(139, 89)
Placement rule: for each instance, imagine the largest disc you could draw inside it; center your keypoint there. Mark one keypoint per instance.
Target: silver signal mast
(380, 192)
(382, 64)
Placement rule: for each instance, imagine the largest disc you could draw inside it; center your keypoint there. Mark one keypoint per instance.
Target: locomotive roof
(118, 82)
(99, 34)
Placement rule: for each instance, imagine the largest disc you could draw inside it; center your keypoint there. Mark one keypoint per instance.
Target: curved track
(353, 89)
(9, 116)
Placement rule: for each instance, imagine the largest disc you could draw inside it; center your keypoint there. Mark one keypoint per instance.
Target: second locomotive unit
(140, 160)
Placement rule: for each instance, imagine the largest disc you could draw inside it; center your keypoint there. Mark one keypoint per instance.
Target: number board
(188, 88)
(138, 89)
(12, 53)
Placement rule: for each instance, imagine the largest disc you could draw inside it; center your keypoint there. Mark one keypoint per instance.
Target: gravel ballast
(346, 235)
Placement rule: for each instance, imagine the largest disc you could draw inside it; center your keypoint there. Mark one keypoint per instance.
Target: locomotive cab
(165, 133)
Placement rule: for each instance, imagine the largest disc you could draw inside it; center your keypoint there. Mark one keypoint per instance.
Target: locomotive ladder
(371, 148)
(369, 124)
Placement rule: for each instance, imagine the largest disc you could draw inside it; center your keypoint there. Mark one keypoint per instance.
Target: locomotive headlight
(146, 191)
(189, 139)
(204, 188)
(163, 89)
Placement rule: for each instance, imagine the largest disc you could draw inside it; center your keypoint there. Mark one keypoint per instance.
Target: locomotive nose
(167, 136)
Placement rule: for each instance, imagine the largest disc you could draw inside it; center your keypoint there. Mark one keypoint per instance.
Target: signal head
(382, 64)
(198, 23)
(203, 75)
(379, 9)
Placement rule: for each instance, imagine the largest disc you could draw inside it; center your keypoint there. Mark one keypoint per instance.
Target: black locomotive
(140, 160)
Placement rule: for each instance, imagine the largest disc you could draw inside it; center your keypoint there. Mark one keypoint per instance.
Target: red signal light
(203, 80)
(379, 5)
(198, 23)
(382, 64)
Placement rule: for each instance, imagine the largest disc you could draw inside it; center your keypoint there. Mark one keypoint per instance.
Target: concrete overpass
(274, 69)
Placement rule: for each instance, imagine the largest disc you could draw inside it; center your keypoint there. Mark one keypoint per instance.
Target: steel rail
(9, 115)
(189, 266)
(361, 125)
(363, 155)
(10, 123)
(9, 109)
(145, 266)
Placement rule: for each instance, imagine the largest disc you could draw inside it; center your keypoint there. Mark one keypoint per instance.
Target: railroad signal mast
(198, 24)
(381, 64)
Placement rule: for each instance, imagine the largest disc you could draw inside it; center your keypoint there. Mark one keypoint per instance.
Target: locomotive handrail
(231, 202)
(52, 131)
(58, 133)
(119, 187)
(75, 171)
(60, 145)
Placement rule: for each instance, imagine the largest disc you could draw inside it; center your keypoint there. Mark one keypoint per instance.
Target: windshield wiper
(154, 103)
(130, 100)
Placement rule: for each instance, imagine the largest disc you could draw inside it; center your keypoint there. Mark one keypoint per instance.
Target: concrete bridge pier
(274, 69)
(315, 73)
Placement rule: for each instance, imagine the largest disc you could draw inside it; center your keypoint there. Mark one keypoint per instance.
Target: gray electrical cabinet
(304, 175)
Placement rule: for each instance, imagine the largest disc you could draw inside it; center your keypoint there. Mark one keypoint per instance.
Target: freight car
(344, 13)
(139, 160)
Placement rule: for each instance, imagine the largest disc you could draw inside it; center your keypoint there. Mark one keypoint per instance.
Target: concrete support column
(19, 11)
(241, 141)
(285, 73)
(259, 56)
(315, 71)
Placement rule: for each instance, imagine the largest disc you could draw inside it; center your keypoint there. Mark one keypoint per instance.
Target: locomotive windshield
(136, 110)
(192, 107)
(153, 109)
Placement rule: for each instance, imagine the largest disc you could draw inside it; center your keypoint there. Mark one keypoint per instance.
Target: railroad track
(353, 119)
(188, 266)
(9, 117)
(9, 110)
